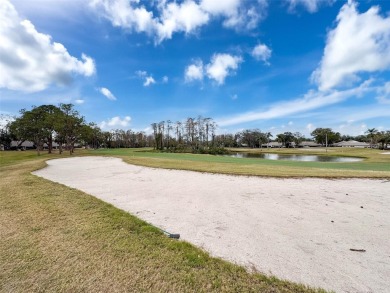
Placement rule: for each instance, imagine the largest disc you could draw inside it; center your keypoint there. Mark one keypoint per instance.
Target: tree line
(198, 135)
(63, 125)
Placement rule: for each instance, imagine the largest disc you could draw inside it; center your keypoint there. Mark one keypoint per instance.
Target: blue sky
(288, 65)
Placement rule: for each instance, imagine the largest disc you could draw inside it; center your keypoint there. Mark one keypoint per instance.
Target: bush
(185, 149)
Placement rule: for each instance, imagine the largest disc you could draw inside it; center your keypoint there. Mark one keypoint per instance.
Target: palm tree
(281, 139)
(169, 127)
(268, 135)
(371, 132)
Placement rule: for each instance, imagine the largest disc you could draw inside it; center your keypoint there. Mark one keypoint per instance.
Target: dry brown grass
(57, 239)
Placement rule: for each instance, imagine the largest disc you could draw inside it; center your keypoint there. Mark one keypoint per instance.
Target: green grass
(57, 239)
(374, 165)
(14, 157)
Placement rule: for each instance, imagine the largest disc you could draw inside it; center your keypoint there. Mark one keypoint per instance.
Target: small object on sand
(170, 235)
(357, 250)
(361, 207)
(332, 221)
(346, 194)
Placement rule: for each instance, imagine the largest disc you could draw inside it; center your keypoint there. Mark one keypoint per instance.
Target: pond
(302, 158)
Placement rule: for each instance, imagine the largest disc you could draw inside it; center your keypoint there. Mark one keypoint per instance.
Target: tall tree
(51, 116)
(325, 136)
(169, 127)
(371, 133)
(30, 126)
(268, 135)
(383, 137)
(69, 127)
(298, 138)
(288, 139)
(280, 138)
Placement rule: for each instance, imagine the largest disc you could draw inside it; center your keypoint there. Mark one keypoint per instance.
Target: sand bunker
(297, 229)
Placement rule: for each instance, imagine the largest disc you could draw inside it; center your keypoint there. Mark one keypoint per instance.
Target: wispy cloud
(115, 122)
(148, 78)
(106, 92)
(384, 94)
(310, 5)
(312, 100)
(170, 17)
(79, 101)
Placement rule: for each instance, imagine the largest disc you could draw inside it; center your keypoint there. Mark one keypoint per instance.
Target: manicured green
(374, 165)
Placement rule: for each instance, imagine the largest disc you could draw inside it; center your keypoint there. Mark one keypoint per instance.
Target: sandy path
(297, 229)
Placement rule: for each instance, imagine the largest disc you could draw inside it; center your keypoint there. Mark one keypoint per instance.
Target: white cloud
(359, 43)
(226, 7)
(106, 92)
(79, 101)
(351, 128)
(194, 71)
(384, 94)
(247, 18)
(262, 53)
(186, 17)
(183, 17)
(115, 122)
(148, 79)
(311, 5)
(312, 100)
(235, 97)
(236, 14)
(123, 14)
(30, 61)
(165, 79)
(221, 66)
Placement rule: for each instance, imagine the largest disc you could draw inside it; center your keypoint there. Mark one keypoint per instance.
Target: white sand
(278, 226)
(386, 153)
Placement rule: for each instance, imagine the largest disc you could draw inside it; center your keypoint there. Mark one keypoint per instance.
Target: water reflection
(302, 158)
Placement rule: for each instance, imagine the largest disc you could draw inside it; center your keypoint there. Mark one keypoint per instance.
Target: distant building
(28, 145)
(303, 144)
(272, 144)
(352, 144)
(311, 144)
